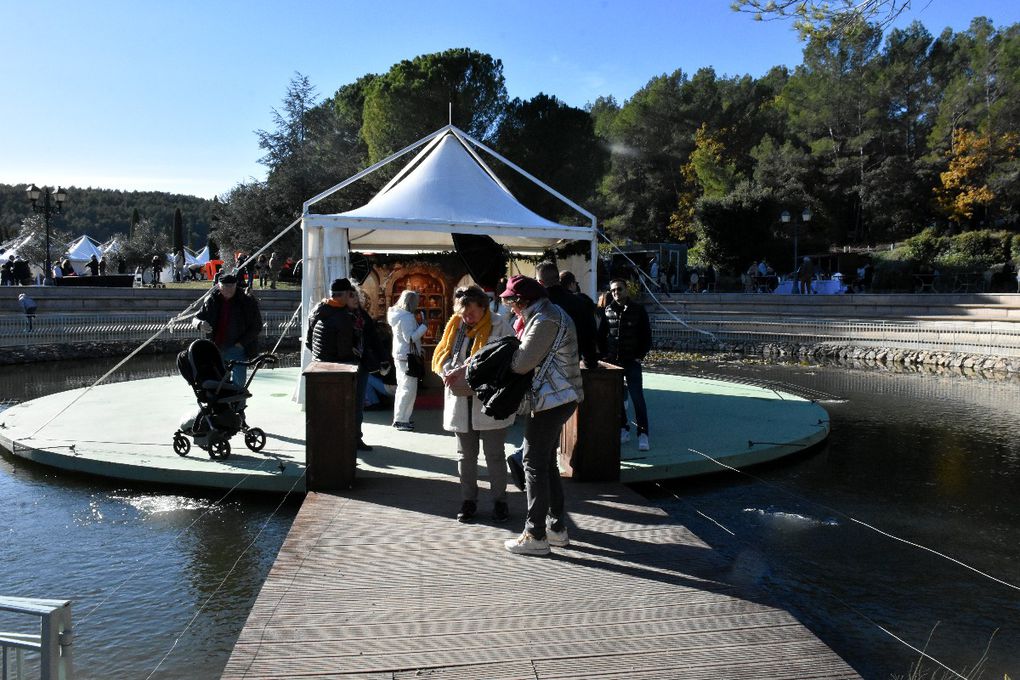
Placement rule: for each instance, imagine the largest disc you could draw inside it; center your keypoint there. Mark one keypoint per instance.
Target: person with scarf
(472, 325)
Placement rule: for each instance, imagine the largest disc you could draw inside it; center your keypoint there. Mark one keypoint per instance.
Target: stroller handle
(258, 361)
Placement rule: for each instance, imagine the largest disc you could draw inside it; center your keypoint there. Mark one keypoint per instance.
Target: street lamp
(805, 217)
(59, 196)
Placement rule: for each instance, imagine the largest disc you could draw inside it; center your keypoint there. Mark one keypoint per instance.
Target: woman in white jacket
(407, 334)
(472, 325)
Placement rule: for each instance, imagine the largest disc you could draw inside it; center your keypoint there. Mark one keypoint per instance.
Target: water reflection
(139, 563)
(928, 456)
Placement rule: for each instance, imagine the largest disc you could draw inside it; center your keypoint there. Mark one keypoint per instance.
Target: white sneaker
(526, 544)
(557, 539)
(624, 436)
(642, 442)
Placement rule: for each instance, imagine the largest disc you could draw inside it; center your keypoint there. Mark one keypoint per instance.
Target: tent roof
(446, 189)
(83, 249)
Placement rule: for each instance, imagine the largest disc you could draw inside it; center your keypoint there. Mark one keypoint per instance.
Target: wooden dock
(381, 582)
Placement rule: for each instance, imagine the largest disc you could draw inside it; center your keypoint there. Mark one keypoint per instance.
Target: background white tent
(81, 251)
(201, 257)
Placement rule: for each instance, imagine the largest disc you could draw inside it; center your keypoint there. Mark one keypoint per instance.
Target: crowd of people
(513, 356)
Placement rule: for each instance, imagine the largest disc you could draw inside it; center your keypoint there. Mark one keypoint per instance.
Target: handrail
(53, 642)
(52, 329)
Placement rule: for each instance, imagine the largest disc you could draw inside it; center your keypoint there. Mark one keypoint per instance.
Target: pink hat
(523, 287)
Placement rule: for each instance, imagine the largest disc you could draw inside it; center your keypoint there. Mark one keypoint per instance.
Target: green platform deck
(124, 431)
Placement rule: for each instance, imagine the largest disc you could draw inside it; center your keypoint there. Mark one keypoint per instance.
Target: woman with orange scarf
(472, 325)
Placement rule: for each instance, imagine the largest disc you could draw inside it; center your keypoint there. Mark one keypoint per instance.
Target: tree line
(880, 136)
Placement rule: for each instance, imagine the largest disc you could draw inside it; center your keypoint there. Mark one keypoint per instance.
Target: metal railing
(983, 337)
(53, 329)
(52, 643)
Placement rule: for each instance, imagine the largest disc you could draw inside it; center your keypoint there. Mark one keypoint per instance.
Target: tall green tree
(415, 96)
(556, 143)
(178, 231)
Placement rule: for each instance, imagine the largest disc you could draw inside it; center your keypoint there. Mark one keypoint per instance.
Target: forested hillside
(101, 213)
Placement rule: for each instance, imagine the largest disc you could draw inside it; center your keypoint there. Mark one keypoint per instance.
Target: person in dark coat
(233, 321)
(93, 266)
(628, 340)
(22, 272)
(339, 330)
(581, 314)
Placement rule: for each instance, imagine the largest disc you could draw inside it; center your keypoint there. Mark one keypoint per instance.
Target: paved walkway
(381, 582)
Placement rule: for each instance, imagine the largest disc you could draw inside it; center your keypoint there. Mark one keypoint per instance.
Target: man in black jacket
(340, 331)
(233, 322)
(628, 339)
(581, 314)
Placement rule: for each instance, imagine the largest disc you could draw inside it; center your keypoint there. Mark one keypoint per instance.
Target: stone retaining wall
(96, 350)
(876, 355)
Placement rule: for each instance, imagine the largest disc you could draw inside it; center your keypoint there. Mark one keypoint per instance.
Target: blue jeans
(359, 398)
(239, 373)
(633, 383)
(541, 471)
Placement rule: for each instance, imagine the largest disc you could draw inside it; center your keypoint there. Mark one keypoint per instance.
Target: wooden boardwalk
(381, 582)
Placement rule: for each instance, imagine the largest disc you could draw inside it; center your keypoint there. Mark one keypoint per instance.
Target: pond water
(162, 581)
(932, 458)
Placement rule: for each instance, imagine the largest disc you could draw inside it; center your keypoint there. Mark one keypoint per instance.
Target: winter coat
(455, 409)
(406, 330)
(496, 385)
(245, 320)
(581, 312)
(561, 382)
(333, 334)
(629, 333)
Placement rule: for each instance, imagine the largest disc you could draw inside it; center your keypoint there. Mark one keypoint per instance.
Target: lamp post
(59, 196)
(805, 217)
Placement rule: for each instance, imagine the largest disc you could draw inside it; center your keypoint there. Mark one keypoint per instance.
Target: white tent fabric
(201, 257)
(446, 189)
(81, 251)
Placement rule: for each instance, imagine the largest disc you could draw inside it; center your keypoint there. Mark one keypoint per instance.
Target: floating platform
(124, 431)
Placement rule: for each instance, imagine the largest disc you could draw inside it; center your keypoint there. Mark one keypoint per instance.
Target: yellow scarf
(480, 334)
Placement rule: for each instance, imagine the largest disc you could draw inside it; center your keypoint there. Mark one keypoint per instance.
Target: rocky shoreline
(889, 356)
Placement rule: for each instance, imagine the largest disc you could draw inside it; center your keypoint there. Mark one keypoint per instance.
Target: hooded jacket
(406, 330)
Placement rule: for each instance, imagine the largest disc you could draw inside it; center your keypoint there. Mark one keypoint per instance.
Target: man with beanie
(233, 321)
(548, 275)
(336, 333)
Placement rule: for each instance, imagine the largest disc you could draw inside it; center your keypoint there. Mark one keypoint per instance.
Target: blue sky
(166, 95)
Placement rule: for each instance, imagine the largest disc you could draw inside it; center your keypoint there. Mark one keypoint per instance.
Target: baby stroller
(221, 403)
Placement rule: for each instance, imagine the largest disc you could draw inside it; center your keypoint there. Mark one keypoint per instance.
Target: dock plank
(380, 582)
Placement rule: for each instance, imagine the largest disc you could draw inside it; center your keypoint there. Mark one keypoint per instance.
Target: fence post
(330, 427)
(590, 443)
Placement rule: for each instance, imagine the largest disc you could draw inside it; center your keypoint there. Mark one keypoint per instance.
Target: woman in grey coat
(549, 347)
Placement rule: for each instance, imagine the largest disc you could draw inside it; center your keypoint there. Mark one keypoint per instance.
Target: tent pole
(593, 285)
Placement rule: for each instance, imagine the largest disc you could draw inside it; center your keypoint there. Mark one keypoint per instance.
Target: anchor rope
(794, 494)
(290, 583)
(127, 579)
(642, 275)
(838, 599)
(182, 316)
(227, 575)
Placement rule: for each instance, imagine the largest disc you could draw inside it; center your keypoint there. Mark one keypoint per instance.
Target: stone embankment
(873, 355)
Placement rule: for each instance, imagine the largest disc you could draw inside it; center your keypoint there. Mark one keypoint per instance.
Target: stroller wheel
(181, 444)
(255, 439)
(219, 450)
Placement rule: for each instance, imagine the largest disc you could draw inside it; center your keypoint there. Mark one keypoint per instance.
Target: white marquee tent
(447, 188)
(81, 251)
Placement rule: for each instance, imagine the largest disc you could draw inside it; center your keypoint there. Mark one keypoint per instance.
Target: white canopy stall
(81, 251)
(446, 189)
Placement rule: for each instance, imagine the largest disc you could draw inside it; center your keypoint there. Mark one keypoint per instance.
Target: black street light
(805, 217)
(59, 196)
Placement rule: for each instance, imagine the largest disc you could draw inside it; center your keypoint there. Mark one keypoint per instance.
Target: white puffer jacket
(455, 409)
(406, 330)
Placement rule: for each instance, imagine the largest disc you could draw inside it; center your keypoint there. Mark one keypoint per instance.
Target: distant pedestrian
(29, 307)
(157, 270)
(179, 266)
(262, 267)
(22, 272)
(102, 266)
(93, 266)
(272, 270)
(7, 272)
